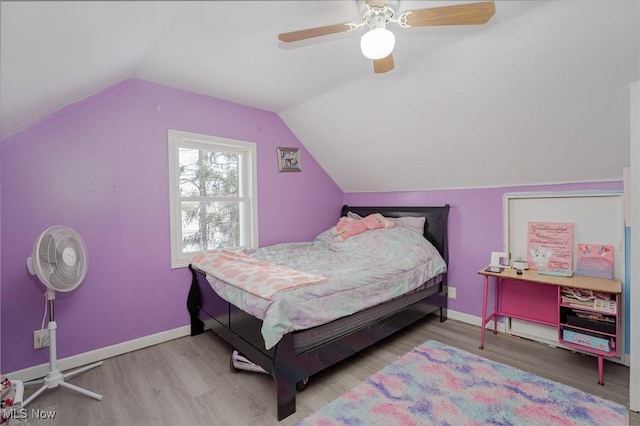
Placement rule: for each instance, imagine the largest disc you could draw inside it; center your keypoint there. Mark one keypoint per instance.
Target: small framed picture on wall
(289, 160)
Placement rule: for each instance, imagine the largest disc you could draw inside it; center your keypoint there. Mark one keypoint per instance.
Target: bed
(299, 354)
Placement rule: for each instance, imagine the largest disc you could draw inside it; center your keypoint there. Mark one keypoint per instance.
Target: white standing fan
(59, 260)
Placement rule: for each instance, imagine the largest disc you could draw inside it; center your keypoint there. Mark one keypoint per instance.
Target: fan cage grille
(60, 258)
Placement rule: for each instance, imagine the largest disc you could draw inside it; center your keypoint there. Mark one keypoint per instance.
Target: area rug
(436, 384)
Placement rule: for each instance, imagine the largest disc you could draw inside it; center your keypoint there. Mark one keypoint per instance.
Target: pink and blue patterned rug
(436, 384)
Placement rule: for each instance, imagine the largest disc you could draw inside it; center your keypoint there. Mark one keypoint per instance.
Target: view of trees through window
(211, 199)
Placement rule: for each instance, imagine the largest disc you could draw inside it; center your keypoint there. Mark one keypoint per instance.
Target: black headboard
(435, 226)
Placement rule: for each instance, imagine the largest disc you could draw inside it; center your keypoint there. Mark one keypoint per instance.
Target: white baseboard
(474, 320)
(90, 357)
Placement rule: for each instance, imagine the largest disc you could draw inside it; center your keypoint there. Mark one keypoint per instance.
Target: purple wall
(475, 228)
(100, 167)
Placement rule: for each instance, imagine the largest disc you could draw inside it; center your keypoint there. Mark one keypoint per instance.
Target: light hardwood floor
(188, 381)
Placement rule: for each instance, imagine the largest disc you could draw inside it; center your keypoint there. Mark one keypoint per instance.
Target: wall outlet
(40, 339)
(451, 291)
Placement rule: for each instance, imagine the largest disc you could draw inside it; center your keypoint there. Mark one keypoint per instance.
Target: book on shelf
(605, 305)
(594, 316)
(592, 325)
(608, 306)
(589, 320)
(591, 340)
(589, 299)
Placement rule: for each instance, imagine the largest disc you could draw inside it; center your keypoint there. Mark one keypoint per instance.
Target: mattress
(305, 340)
(363, 271)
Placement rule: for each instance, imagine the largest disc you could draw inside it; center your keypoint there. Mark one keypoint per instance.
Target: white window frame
(248, 179)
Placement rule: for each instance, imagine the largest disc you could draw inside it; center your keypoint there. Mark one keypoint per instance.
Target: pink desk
(538, 298)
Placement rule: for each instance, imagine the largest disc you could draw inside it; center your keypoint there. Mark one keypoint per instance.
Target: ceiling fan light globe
(377, 43)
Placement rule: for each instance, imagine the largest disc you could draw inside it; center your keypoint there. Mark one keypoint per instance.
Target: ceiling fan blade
(464, 14)
(383, 65)
(314, 32)
(377, 3)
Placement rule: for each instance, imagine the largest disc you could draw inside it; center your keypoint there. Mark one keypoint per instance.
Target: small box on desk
(586, 340)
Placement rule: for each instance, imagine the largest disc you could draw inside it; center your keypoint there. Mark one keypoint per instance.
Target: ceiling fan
(378, 42)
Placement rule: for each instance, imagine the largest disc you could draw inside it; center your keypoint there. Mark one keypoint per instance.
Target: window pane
(208, 225)
(208, 173)
(213, 194)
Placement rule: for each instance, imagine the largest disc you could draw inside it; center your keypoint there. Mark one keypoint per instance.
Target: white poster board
(597, 218)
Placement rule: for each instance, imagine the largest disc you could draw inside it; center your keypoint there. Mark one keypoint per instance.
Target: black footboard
(242, 332)
(288, 366)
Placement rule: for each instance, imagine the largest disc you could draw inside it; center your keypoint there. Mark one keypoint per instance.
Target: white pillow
(412, 223)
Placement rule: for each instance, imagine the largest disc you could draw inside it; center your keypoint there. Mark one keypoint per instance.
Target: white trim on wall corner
(634, 352)
(82, 359)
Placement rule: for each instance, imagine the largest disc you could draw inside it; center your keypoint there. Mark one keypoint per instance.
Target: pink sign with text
(550, 245)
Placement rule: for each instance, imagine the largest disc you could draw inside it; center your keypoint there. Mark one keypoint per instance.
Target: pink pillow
(348, 227)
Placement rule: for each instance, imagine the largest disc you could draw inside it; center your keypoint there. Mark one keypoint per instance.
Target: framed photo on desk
(499, 260)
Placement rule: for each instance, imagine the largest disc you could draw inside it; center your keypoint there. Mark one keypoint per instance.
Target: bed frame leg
(444, 299)
(443, 314)
(286, 397)
(193, 305)
(285, 374)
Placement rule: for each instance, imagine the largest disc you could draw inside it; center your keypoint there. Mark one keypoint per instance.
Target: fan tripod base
(55, 379)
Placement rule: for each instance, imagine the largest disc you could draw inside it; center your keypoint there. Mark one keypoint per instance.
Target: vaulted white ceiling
(536, 95)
